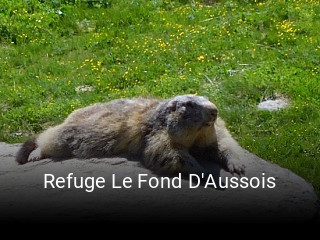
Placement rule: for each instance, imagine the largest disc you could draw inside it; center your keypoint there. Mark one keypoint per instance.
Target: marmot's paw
(37, 158)
(236, 167)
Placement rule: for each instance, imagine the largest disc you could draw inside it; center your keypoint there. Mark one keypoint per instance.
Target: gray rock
(273, 105)
(24, 198)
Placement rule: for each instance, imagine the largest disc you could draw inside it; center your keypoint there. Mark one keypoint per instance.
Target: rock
(24, 198)
(273, 105)
(84, 88)
(234, 72)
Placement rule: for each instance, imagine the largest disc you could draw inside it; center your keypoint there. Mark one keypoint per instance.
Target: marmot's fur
(169, 135)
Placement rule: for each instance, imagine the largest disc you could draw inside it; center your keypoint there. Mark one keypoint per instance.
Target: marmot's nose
(213, 113)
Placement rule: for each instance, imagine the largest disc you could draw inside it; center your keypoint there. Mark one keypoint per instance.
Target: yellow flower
(200, 58)
(163, 44)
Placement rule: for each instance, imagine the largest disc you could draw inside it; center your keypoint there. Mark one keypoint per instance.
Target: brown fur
(169, 135)
(25, 150)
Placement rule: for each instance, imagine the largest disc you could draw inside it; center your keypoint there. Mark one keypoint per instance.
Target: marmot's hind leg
(37, 158)
(53, 142)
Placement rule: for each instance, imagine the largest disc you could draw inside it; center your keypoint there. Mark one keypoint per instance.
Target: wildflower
(200, 58)
(163, 44)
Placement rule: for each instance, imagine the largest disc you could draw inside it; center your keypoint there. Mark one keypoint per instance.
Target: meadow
(57, 56)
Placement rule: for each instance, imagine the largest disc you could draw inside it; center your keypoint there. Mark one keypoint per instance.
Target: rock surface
(24, 198)
(273, 105)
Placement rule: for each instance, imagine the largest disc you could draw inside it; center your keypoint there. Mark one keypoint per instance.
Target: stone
(24, 198)
(273, 105)
(84, 88)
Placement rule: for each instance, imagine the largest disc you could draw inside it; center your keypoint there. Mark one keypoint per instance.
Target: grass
(237, 53)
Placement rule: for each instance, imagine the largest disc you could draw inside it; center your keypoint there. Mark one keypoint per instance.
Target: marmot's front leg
(229, 151)
(161, 156)
(230, 161)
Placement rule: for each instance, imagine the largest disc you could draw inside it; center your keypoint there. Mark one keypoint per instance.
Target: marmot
(168, 135)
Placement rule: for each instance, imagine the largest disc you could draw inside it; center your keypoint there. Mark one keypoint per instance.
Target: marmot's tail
(25, 150)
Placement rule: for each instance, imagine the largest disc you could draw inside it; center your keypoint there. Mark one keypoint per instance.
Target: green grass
(164, 48)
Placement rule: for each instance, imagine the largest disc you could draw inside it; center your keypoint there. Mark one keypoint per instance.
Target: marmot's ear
(172, 106)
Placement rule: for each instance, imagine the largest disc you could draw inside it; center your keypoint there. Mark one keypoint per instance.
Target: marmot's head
(187, 114)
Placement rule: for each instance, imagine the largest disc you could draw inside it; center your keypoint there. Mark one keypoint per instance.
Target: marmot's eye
(189, 104)
(172, 108)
